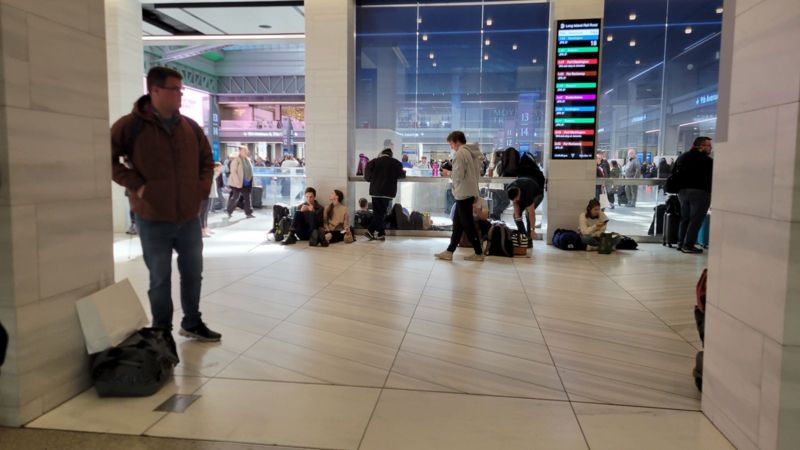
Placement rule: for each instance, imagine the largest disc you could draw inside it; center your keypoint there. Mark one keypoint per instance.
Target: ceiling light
(638, 62)
(434, 64)
(489, 22)
(224, 37)
(688, 30)
(689, 66)
(610, 37)
(719, 10)
(514, 47)
(487, 41)
(431, 55)
(632, 43)
(419, 19)
(486, 57)
(632, 16)
(266, 27)
(424, 37)
(534, 60)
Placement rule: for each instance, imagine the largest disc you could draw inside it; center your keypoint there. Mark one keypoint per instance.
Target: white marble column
(125, 53)
(570, 183)
(330, 93)
(751, 382)
(55, 201)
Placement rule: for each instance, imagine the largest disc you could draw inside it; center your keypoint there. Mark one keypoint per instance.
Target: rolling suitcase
(257, 197)
(703, 234)
(671, 224)
(657, 225)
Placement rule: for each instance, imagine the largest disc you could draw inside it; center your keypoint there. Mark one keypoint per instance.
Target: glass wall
(425, 69)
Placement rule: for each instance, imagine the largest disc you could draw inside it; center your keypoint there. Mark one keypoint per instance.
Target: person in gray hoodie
(465, 174)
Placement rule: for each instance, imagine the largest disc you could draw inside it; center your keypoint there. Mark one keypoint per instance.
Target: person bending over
(525, 195)
(337, 222)
(307, 221)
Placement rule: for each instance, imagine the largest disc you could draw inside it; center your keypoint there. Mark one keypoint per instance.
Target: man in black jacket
(382, 174)
(307, 222)
(694, 170)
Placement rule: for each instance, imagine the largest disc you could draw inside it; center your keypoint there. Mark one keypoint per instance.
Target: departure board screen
(575, 97)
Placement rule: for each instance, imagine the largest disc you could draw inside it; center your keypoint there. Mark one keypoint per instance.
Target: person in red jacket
(164, 161)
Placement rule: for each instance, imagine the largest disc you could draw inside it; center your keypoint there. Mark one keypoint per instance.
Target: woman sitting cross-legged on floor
(592, 224)
(337, 221)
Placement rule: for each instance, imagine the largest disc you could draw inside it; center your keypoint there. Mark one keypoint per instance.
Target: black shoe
(291, 239)
(369, 235)
(324, 242)
(201, 333)
(313, 239)
(249, 216)
(692, 249)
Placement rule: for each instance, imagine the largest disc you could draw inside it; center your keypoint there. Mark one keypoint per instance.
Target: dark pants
(379, 207)
(158, 240)
(464, 223)
(483, 226)
(204, 207)
(694, 207)
(500, 202)
(303, 223)
(234, 199)
(336, 236)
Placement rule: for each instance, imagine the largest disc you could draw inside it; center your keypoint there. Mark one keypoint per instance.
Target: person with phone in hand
(592, 224)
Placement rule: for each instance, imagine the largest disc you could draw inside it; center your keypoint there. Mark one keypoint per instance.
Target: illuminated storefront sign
(575, 96)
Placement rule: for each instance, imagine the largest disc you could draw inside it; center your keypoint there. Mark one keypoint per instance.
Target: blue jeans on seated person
(158, 240)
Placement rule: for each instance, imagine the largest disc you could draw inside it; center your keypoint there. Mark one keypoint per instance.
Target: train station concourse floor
(377, 345)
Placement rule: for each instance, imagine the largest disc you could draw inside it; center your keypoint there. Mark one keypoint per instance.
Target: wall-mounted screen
(575, 97)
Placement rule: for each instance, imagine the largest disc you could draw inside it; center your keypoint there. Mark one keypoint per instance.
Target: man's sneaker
(132, 230)
(291, 239)
(473, 257)
(445, 255)
(381, 237)
(692, 249)
(313, 239)
(201, 333)
(591, 248)
(323, 242)
(369, 235)
(250, 216)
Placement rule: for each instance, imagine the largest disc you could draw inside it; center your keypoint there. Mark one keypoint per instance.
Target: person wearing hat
(382, 174)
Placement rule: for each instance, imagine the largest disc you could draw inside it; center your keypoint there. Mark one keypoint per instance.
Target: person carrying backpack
(164, 161)
(466, 171)
(382, 174)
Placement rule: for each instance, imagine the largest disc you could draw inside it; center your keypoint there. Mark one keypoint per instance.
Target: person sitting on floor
(307, 221)
(592, 224)
(337, 222)
(363, 214)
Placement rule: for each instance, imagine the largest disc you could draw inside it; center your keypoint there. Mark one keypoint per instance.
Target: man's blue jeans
(158, 240)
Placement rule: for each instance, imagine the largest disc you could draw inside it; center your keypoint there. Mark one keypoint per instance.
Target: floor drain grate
(177, 403)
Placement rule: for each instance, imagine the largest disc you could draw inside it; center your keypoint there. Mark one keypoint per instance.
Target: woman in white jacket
(465, 174)
(592, 224)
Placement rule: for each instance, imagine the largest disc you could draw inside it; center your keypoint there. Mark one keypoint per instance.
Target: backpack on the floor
(282, 229)
(568, 240)
(498, 241)
(137, 367)
(627, 243)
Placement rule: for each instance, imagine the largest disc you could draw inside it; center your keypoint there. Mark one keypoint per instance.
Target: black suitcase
(257, 197)
(657, 225)
(671, 224)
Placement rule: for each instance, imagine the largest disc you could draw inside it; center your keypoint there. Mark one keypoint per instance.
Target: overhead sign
(576, 84)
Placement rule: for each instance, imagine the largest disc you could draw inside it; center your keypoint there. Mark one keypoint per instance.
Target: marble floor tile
(438, 421)
(88, 412)
(304, 415)
(622, 428)
(387, 337)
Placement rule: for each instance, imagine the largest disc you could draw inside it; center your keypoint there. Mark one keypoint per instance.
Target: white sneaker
(591, 248)
(445, 255)
(473, 257)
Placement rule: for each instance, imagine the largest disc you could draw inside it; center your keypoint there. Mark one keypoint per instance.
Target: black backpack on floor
(137, 367)
(498, 241)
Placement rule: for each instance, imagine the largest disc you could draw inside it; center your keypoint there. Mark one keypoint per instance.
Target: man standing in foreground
(167, 169)
(694, 170)
(382, 174)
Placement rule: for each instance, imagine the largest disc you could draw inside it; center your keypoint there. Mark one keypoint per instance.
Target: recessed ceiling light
(489, 22)
(514, 47)
(689, 66)
(632, 16)
(265, 26)
(486, 57)
(719, 10)
(688, 30)
(610, 37)
(632, 43)
(424, 37)
(487, 41)
(434, 64)
(431, 55)
(534, 60)
(638, 62)
(419, 19)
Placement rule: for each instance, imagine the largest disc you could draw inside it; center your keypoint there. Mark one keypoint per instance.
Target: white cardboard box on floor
(109, 316)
